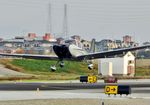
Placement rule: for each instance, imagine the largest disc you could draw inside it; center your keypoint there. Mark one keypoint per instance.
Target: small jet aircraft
(73, 52)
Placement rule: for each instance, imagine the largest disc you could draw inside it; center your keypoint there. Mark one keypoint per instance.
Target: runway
(66, 86)
(70, 90)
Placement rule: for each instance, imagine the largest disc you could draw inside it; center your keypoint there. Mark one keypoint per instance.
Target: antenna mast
(49, 23)
(65, 24)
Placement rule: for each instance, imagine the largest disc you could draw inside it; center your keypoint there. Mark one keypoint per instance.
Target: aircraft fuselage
(68, 51)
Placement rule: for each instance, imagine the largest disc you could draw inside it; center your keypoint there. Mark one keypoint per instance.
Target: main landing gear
(62, 64)
(53, 67)
(90, 66)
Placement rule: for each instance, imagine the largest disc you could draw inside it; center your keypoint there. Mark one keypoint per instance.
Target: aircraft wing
(31, 56)
(106, 54)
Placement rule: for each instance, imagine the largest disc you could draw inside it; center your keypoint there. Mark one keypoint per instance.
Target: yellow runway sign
(111, 89)
(92, 79)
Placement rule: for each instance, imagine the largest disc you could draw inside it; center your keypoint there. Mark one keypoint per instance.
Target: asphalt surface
(66, 86)
(70, 90)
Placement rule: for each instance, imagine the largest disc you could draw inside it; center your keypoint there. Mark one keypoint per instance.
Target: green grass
(142, 71)
(142, 67)
(143, 63)
(41, 68)
(44, 66)
(71, 70)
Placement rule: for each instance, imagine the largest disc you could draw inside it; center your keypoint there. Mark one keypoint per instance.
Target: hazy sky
(89, 18)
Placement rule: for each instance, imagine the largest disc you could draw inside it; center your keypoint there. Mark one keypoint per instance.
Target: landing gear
(53, 67)
(61, 64)
(90, 66)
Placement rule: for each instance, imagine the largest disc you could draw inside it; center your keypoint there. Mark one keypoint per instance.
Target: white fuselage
(76, 51)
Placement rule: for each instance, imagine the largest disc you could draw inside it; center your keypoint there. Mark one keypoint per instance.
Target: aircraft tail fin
(92, 49)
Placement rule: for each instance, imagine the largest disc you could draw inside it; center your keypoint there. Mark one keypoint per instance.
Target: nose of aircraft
(62, 51)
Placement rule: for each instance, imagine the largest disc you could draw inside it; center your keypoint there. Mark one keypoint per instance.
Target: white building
(120, 66)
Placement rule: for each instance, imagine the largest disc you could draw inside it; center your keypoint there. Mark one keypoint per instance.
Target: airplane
(73, 52)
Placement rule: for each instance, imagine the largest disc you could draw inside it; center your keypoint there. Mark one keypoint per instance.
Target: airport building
(120, 66)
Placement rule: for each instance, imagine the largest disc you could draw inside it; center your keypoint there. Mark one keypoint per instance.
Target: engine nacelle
(53, 68)
(90, 66)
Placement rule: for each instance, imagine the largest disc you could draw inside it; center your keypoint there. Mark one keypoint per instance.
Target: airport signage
(117, 89)
(111, 89)
(89, 79)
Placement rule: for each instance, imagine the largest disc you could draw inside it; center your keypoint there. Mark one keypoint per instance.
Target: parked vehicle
(110, 79)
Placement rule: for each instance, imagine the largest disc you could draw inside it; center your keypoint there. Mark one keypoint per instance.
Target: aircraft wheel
(53, 68)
